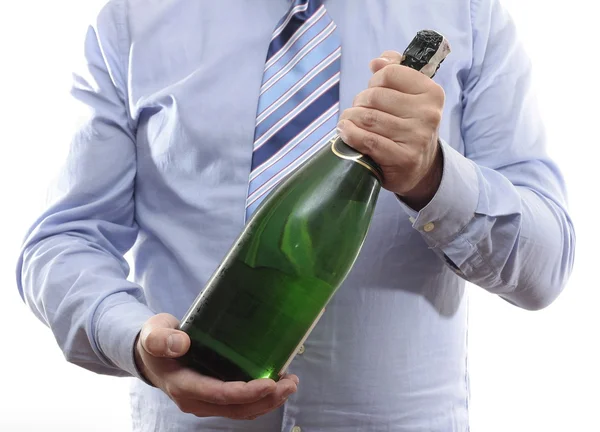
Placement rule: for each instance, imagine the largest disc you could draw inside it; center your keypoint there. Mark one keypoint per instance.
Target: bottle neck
(344, 151)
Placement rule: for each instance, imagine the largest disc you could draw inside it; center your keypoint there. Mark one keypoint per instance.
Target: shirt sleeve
(499, 218)
(71, 270)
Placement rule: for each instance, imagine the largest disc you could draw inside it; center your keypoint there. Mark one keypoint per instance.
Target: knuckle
(369, 118)
(186, 409)
(370, 142)
(217, 399)
(411, 162)
(357, 101)
(184, 406)
(438, 93)
(423, 139)
(370, 97)
(239, 412)
(174, 391)
(388, 75)
(152, 343)
(365, 98)
(432, 116)
(219, 395)
(392, 55)
(373, 96)
(349, 114)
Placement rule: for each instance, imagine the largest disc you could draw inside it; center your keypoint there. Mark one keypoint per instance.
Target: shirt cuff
(117, 324)
(454, 204)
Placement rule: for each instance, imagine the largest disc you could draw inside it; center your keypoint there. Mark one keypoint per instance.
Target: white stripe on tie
(284, 49)
(290, 116)
(293, 143)
(296, 9)
(288, 94)
(303, 68)
(294, 61)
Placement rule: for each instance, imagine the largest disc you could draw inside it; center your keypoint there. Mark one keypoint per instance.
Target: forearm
(541, 257)
(499, 217)
(79, 290)
(510, 239)
(71, 270)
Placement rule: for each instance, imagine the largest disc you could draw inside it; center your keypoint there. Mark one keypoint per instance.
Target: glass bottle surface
(295, 252)
(276, 280)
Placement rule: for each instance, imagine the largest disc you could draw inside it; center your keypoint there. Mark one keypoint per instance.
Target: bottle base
(207, 362)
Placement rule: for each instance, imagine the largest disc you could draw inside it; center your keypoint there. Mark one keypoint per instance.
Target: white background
(530, 371)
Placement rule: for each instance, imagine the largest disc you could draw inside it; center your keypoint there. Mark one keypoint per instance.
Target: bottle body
(274, 284)
(294, 253)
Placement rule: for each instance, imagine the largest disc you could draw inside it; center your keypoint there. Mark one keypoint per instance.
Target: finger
(238, 393)
(285, 388)
(266, 411)
(240, 411)
(378, 122)
(386, 58)
(383, 150)
(389, 101)
(292, 377)
(187, 384)
(160, 338)
(402, 79)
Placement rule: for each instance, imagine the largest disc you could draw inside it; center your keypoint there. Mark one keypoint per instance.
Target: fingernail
(387, 59)
(340, 129)
(175, 343)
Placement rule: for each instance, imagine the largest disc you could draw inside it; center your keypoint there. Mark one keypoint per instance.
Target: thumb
(160, 338)
(386, 58)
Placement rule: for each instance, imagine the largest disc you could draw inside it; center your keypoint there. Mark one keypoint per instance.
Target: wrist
(419, 196)
(139, 362)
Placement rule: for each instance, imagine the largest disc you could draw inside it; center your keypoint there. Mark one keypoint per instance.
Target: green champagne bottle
(295, 251)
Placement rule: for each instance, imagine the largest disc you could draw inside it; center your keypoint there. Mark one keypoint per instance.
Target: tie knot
(305, 8)
(309, 2)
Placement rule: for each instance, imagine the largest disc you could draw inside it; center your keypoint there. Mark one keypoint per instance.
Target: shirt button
(428, 227)
(296, 429)
(301, 349)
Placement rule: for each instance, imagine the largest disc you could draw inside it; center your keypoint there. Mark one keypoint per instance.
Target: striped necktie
(299, 97)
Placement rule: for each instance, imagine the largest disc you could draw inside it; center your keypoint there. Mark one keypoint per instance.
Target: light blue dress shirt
(161, 165)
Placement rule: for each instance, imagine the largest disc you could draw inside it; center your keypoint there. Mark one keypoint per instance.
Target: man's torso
(389, 354)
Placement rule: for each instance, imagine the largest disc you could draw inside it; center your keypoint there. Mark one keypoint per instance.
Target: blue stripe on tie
(304, 104)
(295, 23)
(303, 140)
(307, 63)
(311, 35)
(300, 142)
(254, 201)
(298, 97)
(296, 126)
(294, 149)
(296, 7)
(268, 107)
(298, 106)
